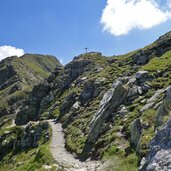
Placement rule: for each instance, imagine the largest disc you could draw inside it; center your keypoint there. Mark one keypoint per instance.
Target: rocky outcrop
(31, 106)
(152, 100)
(92, 89)
(18, 76)
(162, 45)
(24, 138)
(111, 100)
(137, 85)
(142, 57)
(124, 91)
(88, 91)
(33, 134)
(135, 131)
(164, 108)
(76, 68)
(159, 156)
(55, 85)
(68, 103)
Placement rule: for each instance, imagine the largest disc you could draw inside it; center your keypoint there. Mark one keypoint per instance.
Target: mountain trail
(63, 157)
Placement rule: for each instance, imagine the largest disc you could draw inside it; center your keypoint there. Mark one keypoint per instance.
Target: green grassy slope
(19, 75)
(118, 136)
(94, 71)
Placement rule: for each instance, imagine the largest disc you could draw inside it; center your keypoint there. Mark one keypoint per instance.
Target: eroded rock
(135, 131)
(152, 100)
(164, 108)
(32, 134)
(111, 100)
(159, 156)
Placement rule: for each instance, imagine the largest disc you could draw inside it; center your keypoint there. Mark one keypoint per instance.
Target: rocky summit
(96, 113)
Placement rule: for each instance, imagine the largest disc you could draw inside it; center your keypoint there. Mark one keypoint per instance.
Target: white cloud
(6, 51)
(121, 16)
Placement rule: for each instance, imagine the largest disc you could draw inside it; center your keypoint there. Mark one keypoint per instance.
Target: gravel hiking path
(63, 157)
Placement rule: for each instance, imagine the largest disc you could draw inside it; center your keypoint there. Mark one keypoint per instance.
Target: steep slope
(110, 107)
(25, 147)
(63, 157)
(19, 75)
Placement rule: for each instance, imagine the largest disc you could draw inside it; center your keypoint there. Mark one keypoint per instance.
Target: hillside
(110, 107)
(19, 75)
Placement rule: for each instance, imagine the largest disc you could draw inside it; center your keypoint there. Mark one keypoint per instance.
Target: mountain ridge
(111, 108)
(19, 75)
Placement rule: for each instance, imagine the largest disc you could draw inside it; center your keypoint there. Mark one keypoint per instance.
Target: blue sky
(64, 27)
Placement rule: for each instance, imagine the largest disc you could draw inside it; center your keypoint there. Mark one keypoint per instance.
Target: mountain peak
(88, 55)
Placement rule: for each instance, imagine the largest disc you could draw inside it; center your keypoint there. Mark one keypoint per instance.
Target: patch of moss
(159, 63)
(112, 151)
(30, 160)
(125, 163)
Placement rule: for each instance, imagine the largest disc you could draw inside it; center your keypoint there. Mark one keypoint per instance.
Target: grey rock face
(46, 100)
(76, 68)
(159, 156)
(31, 107)
(98, 86)
(134, 91)
(141, 58)
(151, 101)
(141, 75)
(21, 139)
(137, 84)
(164, 108)
(88, 90)
(121, 111)
(135, 131)
(111, 100)
(92, 89)
(68, 103)
(32, 134)
(124, 90)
